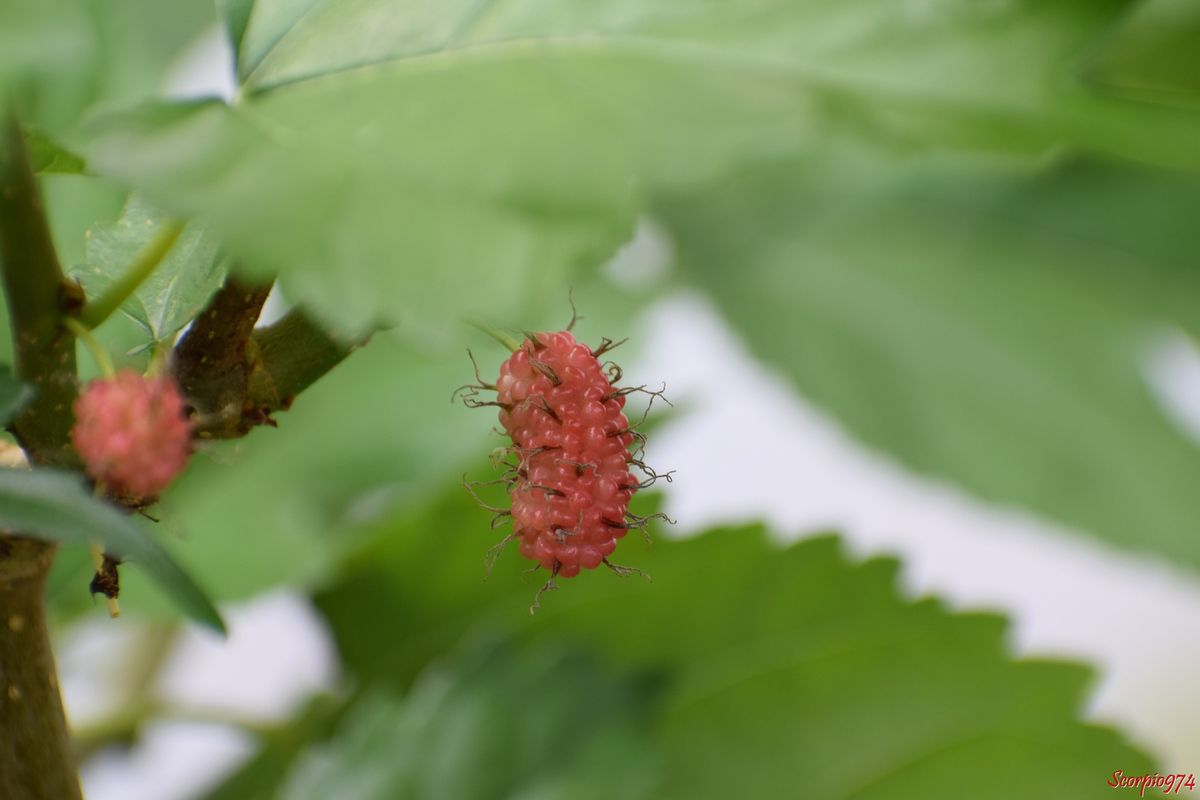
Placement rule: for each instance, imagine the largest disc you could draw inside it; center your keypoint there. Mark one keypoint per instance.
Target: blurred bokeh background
(919, 277)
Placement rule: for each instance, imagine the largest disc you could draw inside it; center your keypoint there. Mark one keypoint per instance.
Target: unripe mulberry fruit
(132, 434)
(571, 477)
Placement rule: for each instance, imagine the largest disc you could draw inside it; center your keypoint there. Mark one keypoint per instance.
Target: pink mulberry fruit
(132, 434)
(571, 477)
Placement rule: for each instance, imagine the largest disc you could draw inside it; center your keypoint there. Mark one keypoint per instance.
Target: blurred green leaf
(179, 286)
(235, 14)
(1118, 232)
(67, 588)
(48, 156)
(60, 57)
(42, 40)
(901, 67)
(260, 778)
(1153, 56)
(6, 353)
(782, 667)
(13, 395)
(55, 505)
(986, 327)
(418, 162)
(532, 723)
(360, 237)
(74, 205)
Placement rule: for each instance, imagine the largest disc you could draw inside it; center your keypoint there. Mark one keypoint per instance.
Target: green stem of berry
(99, 354)
(102, 307)
(500, 336)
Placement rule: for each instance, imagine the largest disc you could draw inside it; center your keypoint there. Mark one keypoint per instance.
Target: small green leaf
(13, 395)
(48, 156)
(55, 505)
(177, 288)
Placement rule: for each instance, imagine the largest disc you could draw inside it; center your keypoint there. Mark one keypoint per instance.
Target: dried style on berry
(570, 465)
(132, 434)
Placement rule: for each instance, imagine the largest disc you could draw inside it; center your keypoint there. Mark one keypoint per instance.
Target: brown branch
(35, 756)
(236, 377)
(213, 361)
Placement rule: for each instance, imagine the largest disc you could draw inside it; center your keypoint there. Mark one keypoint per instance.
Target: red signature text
(1167, 783)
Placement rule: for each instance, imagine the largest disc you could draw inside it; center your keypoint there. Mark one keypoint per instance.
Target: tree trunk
(35, 752)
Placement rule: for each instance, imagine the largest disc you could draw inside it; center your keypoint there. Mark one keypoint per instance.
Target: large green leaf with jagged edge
(420, 161)
(990, 327)
(780, 667)
(54, 505)
(188, 273)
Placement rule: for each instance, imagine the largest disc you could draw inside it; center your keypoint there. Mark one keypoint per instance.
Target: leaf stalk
(143, 265)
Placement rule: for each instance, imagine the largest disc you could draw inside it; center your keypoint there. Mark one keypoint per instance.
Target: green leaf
(835, 683)
(48, 156)
(781, 667)
(359, 236)
(60, 57)
(418, 161)
(236, 15)
(260, 778)
(13, 394)
(179, 286)
(6, 351)
(1152, 56)
(55, 505)
(75, 204)
(544, 723)
(984, 326)
(42, 41)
